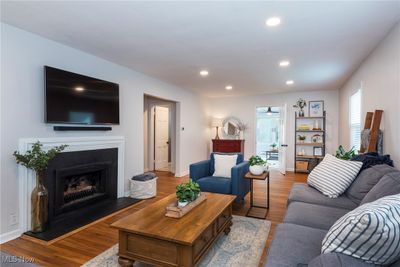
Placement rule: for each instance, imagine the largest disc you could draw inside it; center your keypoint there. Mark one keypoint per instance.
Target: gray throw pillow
(388, 185)
(366, 180)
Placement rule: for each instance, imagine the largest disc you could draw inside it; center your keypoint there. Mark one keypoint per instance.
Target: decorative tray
(174, 211)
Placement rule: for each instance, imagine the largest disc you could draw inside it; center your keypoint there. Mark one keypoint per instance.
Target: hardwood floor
(81, 246)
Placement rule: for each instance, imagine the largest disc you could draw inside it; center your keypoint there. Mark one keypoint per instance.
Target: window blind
(355, 120)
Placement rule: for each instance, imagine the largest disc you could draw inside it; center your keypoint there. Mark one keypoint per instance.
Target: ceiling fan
(269, 111)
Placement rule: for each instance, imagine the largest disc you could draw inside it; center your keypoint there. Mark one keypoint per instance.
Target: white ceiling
(172, 41)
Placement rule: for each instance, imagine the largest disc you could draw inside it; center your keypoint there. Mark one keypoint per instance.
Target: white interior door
(161, 138)
(282, 140)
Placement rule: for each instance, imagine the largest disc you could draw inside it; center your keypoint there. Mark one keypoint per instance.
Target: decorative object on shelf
(316, 126)
(187, 192)
(304, 127)
(274, 147)
(317, 151)
(301, 153)
(301, 138)
(216, 122)
(257, 165)
(38, 159)
(341, 153)
(300, 104)
(316, 108)
(302, 165)
(317, 138)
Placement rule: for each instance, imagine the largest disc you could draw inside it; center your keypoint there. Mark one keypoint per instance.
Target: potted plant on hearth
(37, 159)
(257, 165)
(187, 192)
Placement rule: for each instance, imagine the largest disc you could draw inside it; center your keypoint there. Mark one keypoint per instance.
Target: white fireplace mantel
(26, 177)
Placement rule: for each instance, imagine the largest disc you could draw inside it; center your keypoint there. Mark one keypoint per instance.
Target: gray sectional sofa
(297, 241)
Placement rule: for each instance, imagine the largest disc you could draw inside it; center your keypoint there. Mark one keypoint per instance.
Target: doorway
(159, 134)
(268, 134)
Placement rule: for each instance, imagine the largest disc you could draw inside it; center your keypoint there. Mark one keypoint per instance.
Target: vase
(256, 169)
(301, 113)
(39, 205)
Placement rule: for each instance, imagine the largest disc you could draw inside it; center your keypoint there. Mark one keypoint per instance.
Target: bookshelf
(308, 153)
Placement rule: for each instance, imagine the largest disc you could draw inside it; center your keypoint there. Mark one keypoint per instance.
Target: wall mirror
(230, 127)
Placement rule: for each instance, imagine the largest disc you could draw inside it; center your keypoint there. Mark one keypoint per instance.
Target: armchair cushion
(212, 160)
(223, 165)
(215, 184)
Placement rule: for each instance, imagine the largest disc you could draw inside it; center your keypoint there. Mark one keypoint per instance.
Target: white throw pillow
(370, 232)
(332, 176)
(223, 165)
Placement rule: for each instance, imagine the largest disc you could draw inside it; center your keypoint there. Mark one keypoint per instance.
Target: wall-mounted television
(77, 99)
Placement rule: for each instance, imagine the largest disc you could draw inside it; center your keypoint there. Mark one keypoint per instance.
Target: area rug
(242, 247)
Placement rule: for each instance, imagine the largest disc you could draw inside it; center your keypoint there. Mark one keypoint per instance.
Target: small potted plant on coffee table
(187, 192)
(257, 165)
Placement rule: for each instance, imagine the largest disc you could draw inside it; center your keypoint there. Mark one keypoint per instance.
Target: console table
(228, 146)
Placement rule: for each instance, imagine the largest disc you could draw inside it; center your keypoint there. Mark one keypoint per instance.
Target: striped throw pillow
(333, 176)
(370, 232)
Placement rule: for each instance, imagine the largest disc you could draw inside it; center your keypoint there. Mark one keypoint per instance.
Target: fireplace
(76, 180)
(83, 187)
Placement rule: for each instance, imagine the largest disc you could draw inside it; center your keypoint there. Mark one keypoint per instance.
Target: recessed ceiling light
(204, 72)
(284, 63)
(79, 89)
(229, 87)
(273, 21)
(290, 82)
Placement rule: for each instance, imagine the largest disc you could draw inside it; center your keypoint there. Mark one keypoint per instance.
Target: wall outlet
(13, 219)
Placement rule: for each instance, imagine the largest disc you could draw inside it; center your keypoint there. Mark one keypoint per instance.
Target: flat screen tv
(77, 99)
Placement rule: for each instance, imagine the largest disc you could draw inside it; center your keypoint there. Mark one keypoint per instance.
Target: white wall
(22, 58)
(244, 108)
(379, 77)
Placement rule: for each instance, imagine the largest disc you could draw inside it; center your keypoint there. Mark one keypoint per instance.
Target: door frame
(255, 125)
(173, 108)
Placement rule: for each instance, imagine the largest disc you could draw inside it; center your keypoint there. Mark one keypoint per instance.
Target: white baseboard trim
(182, 173)
(10, 236)
(290, 169)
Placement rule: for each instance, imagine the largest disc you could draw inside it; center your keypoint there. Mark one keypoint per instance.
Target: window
(355, 120)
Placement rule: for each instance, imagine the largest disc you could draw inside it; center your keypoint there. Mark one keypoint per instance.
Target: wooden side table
(251, 177)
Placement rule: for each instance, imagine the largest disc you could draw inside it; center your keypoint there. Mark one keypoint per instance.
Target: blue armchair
(201, 172)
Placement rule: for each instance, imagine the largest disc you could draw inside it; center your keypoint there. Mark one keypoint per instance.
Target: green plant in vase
(37, 160)
(187, 192)
(257, 165)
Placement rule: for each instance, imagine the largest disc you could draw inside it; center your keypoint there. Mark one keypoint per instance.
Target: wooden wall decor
(372, 123)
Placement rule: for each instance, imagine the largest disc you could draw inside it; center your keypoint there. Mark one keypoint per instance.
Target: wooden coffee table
(149, 236)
